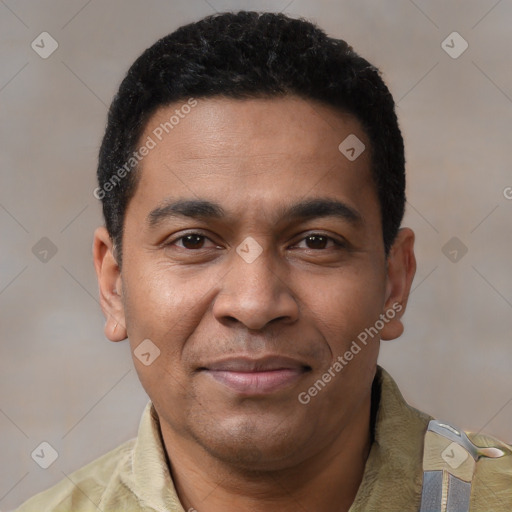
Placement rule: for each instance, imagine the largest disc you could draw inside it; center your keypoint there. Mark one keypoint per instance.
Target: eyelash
(338, 244)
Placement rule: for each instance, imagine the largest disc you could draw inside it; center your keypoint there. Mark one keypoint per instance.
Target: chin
(252, 447)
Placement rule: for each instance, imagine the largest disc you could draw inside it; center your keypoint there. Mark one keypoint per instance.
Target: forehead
(251, 126)
(252, 152)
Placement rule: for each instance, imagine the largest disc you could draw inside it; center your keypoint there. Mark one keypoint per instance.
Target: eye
(191, 241)
(318, 241)
(197, 241)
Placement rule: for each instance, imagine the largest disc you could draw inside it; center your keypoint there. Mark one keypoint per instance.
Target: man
(252, 180)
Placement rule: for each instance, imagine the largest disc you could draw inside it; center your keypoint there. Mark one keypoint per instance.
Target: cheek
(344, 313)
(165, 308)
(156, 311)
(155, 301)
(152, 312)
(348, 302)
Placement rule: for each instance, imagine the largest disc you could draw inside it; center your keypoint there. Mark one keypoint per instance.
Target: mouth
(248, 376)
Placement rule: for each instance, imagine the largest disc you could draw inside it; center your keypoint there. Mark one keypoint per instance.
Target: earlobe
(110, 285)
(401, 267)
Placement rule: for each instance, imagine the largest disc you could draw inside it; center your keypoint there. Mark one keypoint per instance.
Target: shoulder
(492, 479)
(82, 490)
(480, 460)
(467, 469)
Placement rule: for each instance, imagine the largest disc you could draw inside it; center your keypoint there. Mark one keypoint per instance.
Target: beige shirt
(135, 476)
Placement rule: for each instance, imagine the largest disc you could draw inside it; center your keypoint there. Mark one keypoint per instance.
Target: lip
(261, 376)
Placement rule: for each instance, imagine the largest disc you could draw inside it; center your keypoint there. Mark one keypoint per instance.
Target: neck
(325, 482)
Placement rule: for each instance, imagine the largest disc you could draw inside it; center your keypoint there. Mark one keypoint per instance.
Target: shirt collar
(150, 478)
(393, 472)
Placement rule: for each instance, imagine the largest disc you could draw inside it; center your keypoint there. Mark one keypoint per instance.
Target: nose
(254, 294)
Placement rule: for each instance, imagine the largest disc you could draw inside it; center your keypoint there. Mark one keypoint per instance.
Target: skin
(199, 301)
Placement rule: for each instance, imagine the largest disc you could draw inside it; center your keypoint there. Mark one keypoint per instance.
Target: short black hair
(245, 55)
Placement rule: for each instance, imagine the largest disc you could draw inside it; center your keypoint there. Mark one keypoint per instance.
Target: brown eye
(319, 241)
(191, 246)
(192, 241)
(316, 241)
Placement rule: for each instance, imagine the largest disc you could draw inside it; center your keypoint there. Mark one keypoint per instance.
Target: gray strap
(458, 495)
(432, 491)
(457, 436)
(442, 490)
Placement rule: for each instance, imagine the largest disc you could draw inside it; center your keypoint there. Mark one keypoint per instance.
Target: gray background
(64, 383)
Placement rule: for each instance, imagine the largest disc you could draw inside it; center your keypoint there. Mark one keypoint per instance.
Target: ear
(110, 285)
(401, 267)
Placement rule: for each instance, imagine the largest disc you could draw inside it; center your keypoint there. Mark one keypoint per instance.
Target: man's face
(242, 333)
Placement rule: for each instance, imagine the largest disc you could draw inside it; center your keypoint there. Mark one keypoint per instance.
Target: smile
(257, 376)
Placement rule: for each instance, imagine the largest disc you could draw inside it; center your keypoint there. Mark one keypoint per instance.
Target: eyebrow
(202, 209)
